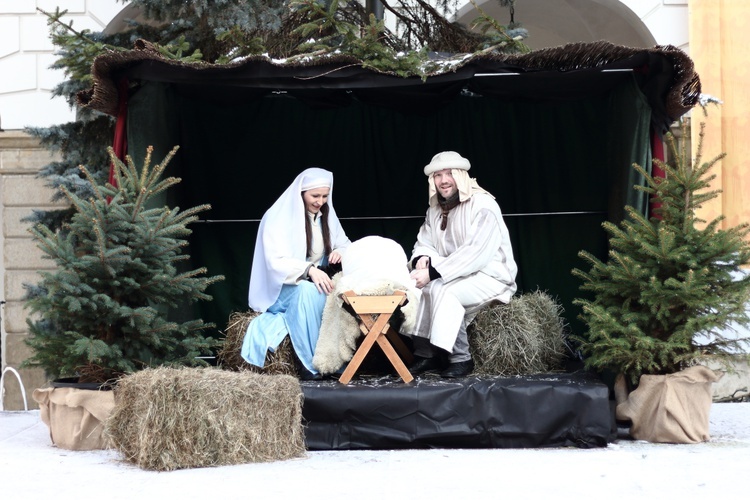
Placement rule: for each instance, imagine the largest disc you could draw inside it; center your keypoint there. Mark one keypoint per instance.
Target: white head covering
(467, 186)
(281, 237)
(314, 178)
(447, 159)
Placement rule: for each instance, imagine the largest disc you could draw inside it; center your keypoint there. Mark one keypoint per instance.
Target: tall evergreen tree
(672, 285)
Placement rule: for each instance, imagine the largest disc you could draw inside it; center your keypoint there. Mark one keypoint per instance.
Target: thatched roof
(665, 75)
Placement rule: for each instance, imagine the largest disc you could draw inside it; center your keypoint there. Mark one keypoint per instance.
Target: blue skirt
(297, 312)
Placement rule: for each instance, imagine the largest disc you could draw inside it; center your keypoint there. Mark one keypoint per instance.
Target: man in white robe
(462, 260)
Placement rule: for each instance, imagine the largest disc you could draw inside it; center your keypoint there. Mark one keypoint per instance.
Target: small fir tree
(672, 285)
(104, 311)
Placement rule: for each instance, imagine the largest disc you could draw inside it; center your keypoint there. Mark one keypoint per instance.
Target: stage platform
(566, 409)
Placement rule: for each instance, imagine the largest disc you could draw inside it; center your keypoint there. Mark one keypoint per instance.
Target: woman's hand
(320, 279)
(334, 258)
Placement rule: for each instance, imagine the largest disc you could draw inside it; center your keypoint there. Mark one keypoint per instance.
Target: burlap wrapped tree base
(280, 362)
(670, 408)
(75, 417)
(523, 337)
(169, 418)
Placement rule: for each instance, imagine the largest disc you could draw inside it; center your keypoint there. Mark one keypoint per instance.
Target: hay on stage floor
(176, 418)
(279, 362)
(525, 336)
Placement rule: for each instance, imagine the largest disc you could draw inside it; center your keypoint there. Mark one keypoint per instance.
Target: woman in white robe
(296, 235)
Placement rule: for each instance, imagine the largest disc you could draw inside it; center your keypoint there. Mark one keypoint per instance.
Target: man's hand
(422, 276)
(320, 279)
(423, 263)
(334, 258)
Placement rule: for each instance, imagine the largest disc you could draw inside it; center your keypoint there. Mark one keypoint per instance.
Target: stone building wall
(21, 157)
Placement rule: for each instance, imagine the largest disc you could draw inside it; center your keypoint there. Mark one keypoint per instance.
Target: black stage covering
(533, 411)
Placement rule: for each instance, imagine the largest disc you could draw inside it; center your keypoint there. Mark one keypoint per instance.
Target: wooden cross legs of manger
(368, 308)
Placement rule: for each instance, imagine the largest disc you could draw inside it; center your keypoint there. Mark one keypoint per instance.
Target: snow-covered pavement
(31, 467)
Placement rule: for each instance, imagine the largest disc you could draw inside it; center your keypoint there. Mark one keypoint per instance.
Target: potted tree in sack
(105, 311)
(664, 301)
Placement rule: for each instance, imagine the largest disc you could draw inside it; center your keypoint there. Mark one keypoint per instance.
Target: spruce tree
(105, 310)
(672, 284)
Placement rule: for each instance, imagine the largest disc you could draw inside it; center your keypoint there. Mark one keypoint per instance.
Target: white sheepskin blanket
(370, 266)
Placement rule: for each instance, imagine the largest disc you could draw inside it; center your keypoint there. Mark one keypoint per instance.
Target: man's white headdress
(459, 167)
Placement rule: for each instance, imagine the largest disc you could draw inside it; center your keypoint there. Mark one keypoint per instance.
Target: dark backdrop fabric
(557, 168)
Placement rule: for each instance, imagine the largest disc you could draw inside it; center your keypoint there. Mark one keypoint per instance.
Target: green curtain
(557, 168)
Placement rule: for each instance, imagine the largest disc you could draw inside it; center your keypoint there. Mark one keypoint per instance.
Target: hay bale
(522, 337)
(279, 362)
(177, 418)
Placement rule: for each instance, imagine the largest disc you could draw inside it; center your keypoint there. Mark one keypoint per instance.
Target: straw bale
(525, 336)
(279, 362)
(177, 418)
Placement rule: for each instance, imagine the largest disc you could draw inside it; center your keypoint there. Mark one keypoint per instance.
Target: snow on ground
(31, 467)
